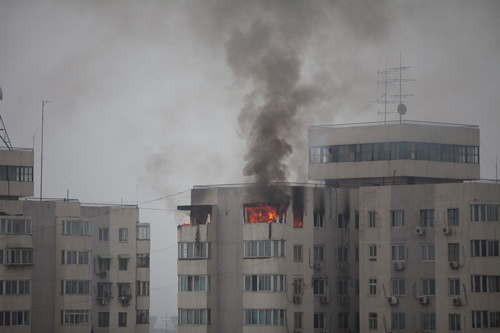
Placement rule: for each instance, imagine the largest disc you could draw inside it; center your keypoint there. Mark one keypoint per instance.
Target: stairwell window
(372, 252)
(372, 285)
(372, 321)
(372, 219)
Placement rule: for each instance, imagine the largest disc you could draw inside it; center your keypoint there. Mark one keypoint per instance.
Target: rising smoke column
(273, 66)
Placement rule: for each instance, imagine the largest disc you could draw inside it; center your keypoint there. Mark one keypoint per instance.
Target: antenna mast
(401, 107)
(41, 156)
(3, 130)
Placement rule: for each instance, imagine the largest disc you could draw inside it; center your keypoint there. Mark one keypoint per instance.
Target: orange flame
(261, 212)
(297, 219)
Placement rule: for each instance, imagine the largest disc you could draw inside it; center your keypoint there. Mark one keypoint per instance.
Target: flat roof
(395, 122)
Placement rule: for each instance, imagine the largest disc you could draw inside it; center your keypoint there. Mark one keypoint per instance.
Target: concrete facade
(68, 267)
(421, 232)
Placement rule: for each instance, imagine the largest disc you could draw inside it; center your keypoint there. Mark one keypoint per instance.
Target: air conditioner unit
(454, 264)
(325, 299)
(318, 265)
(446, 230)
(343, 266)
(343, 299)
(399, 265)
(126, 302)
(420, 231)
(455, 301)
(392, 300)
(104, 273)
(423, 299)
(104, 301)
(297, 299)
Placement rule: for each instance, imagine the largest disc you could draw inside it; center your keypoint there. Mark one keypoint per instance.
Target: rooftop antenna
(41, 156)
(3, 130)
(401, 107)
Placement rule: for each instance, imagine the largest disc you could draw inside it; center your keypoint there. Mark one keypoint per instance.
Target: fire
(261, 212)
(297, 219)
(186, 223)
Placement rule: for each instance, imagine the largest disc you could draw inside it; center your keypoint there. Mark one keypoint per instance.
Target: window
(319, 253)
(77, 228)
(142, 317)
(142, 288)
(15, 318)
(264, 249)
(429, 321)
(343, 286)
(143, 232)
(372, 252)
(297, 252)
(143, 260)
(125, 290)
(122, 264)
(319, 285)
(372, 284)
(398, 287)
(194, 250)
(1, 256)
(454, 287)
(453, 218)
(342, 221)
(19, 257)
(455, 322)
(397, 218)
(343, 254)
(372, 321)
(265, 282)
(16, 173)
(194, 283)
(104, 290)
(485, 319)
(398, 321)
(398, 253)
(356, 254)
(75, 317)
(122, 319)
(104, 264)
(15, 226)
(357, 287)
(483, 213)
(14, 287)
(104, 234)
(485, 283)
(484, 248)
(123, 235)
(297, 320)
(319, 220)
(75, 257)
(275, 317)
(103, 319)
(344, 320)
(427, 218)
(298, 284)
(428, 287)
(356, 220)
(75, 287)
(453, 252)
(373, 222)
(427, 252)
(319, 320)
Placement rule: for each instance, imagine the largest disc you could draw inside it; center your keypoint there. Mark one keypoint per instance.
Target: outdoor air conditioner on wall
(455, 301)
(392, 300)
(343, 299)
(454, 264)
(318, 265)
(420, 231)
(325, 299)
(446, 230)
(423, 299)
(297, 299)
(399, 265)
(104, 301)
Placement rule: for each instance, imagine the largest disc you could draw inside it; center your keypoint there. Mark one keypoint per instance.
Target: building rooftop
(395, 122)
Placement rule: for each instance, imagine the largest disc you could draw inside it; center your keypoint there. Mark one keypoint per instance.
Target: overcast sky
(149, 98)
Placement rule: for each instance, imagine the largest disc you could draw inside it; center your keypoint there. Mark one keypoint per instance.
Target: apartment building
(400, 237)
(66, 266)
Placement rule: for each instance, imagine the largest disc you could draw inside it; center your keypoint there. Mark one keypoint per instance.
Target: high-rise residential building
(66, 266)
(400, 236)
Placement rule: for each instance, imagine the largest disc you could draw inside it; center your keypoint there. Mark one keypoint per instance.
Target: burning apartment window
(298, 218)
(263, 212)
(264, 249)
(199, 217)
(319, 220)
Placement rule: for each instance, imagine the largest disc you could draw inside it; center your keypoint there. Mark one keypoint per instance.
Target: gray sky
(147, 96)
